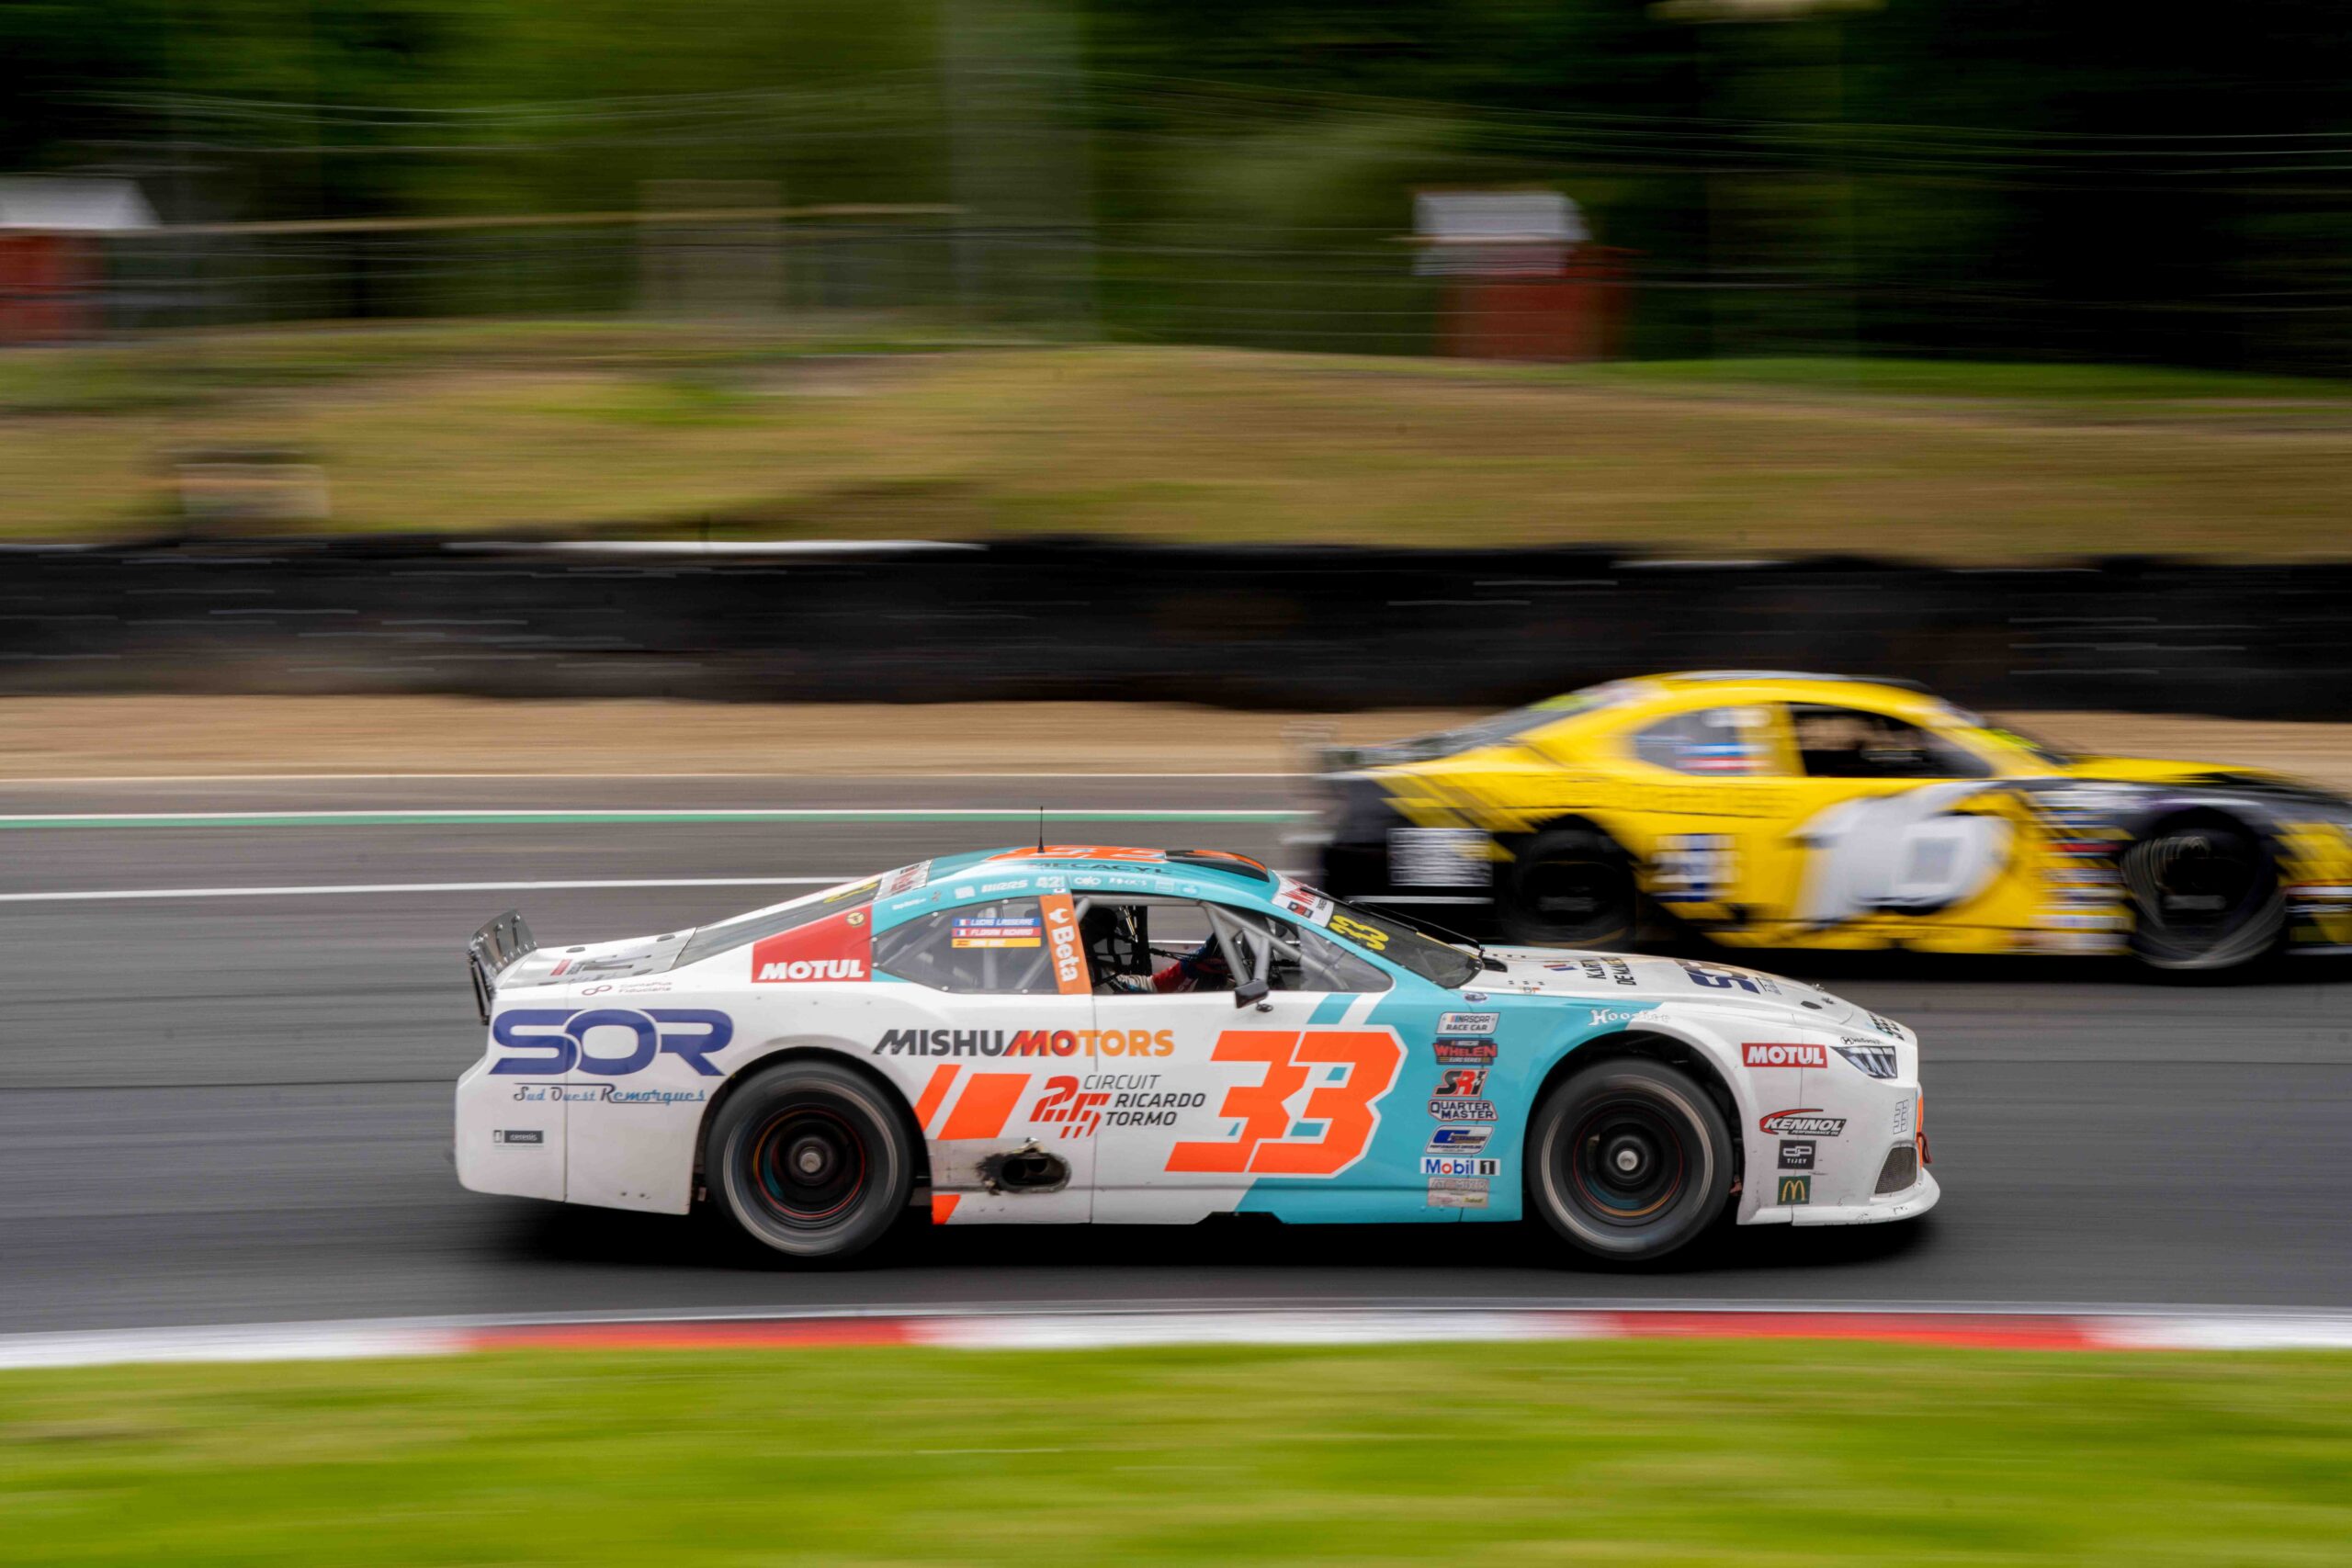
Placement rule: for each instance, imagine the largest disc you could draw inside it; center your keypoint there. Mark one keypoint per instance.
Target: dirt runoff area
(160, 736)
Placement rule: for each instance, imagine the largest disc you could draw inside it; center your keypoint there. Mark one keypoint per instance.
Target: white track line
(100, 895)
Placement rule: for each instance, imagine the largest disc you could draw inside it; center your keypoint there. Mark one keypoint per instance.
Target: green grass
(864, 428)
(1772, 1454)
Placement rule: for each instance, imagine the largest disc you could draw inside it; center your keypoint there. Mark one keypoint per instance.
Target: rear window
(762, 924)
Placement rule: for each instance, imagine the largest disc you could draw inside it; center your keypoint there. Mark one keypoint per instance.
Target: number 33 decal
(1264, 1146)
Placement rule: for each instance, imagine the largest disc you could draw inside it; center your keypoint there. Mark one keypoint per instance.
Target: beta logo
(841, 948)
(1792, 1056)
(1807, 1123)
(608, 1042)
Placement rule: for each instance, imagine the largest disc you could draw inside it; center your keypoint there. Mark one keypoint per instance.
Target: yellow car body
(1786, 810)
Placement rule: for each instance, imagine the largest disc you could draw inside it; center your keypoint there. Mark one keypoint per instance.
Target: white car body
(605, 1061)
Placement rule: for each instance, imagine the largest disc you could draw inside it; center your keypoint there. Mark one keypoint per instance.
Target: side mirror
(1250, 993)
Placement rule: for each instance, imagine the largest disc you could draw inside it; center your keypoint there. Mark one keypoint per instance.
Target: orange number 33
(1264, 1146)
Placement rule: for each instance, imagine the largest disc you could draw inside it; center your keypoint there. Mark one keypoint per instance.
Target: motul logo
(1787, 1056)
(815, 969)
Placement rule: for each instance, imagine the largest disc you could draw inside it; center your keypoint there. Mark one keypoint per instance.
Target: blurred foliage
(1768, 1454)
(1990, 178)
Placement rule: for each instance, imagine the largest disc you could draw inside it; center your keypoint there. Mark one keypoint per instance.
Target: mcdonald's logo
(1796, 1190)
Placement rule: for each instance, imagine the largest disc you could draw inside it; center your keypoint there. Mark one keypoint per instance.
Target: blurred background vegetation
(1974, 281)
(1988, 179)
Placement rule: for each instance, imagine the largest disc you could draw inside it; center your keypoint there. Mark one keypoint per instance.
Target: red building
(52, 258)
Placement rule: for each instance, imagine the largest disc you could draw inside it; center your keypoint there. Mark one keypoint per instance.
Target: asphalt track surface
(236, 1109)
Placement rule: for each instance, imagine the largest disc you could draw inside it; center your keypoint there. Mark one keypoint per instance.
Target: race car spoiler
(499, 944)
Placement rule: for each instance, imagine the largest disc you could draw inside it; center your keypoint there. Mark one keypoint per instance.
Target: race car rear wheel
(812, 1159)
(1629, 1160)
(1567, 887)
(2204, 895)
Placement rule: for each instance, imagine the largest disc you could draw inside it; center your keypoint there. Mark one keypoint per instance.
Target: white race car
(1080, 1033)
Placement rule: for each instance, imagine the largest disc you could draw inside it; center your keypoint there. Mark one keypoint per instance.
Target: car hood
(1604, 976)
(2215, 775)
(576, 964)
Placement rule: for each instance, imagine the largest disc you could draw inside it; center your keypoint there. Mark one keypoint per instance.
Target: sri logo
(608, 1042)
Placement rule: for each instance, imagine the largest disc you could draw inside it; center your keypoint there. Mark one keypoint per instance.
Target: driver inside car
(1116, 947)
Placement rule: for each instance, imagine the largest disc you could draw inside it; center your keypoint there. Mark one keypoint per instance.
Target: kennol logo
(1808, 1122)
(609, 1042)
(1785, 1055)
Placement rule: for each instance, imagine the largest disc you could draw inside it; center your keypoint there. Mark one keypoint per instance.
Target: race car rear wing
(497, 944)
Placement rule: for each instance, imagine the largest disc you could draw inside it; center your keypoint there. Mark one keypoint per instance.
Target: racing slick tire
(1629, 1160)
(1569, 887)
(810, 1159)
(2204, 895)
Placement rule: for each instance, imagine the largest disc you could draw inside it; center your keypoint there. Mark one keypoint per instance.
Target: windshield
(1437, 962)
(2025, 740)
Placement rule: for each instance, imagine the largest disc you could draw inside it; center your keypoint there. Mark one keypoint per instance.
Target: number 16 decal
(1264, 1145)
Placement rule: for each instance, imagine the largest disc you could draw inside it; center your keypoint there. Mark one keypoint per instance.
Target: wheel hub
(1626, 1163)
(808, 1166)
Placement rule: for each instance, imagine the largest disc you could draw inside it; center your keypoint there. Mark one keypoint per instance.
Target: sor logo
(609, 1042)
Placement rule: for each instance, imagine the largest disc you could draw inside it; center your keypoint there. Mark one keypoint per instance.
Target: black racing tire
(1569, 887)
(812, 1159)
(1629, 1160)
(2204, 895)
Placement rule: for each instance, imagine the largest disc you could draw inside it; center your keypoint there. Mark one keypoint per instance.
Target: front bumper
(1909, 1203)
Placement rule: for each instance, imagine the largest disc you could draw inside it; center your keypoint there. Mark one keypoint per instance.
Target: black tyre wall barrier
(1250, 627)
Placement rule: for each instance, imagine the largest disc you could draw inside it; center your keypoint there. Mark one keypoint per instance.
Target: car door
(1212, 1098)
(1712, 836)
(1879, 841)
(991, 1035)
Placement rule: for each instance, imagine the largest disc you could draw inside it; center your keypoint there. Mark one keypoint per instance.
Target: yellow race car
(1767, 809)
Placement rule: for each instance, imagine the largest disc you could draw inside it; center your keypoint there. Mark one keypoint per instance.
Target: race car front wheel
(1629, 1160)
(2204, 896)
(1567, 887)
(812, 1159)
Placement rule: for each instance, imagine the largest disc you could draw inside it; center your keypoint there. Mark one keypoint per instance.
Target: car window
(1302, 959)
(1162, 946)
(1850, 743)
(1732, 741)
(997, 948)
